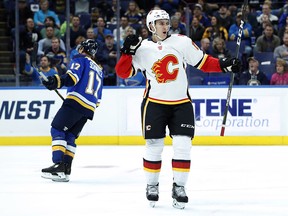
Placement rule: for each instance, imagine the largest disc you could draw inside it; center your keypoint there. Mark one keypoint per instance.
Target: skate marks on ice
(109, 180)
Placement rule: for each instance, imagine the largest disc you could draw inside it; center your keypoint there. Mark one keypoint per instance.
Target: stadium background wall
(257, 116)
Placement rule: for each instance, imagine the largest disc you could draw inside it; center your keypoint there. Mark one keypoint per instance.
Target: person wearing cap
(200, 15)
(280, 77)
(253, 76)
(246, 33)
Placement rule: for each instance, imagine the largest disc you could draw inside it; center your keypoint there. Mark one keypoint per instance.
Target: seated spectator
(175, 27)
(57, 56)
(26, 40)
(282, 50)
(170, 6)
(113, 19)
(280, 77)
(246, 33)
(144, 32)
(24, 14)
(75, 30)
(219, 49)
(196, 30)
(200, 15)
(215, 30)
(74, 50)
(100, 30)
(261, 27)
(205, 45)
(50, 21)
(90, 33)
(63, 26)
(133, 13)
(266, 10)
(46, 42)
(44, 67)
(224, 16)
(268, 41)
(283, 29)
(253, 76)
(107, 58)
(124, 23)
(39, 16)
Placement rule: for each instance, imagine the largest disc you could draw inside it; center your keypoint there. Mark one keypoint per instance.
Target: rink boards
(257, 116)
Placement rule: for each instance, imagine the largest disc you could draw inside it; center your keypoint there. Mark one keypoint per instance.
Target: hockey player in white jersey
(166, 102)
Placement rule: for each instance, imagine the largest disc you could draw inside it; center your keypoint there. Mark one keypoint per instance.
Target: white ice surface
(109, 180)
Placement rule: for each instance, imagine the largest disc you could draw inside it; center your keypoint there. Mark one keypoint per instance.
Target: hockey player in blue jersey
(84, 79)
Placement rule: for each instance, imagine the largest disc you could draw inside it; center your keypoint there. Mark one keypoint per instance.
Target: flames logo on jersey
(161, 69)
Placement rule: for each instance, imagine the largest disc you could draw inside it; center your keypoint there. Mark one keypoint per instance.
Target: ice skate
(179, 196)
(152, 194)
(56, 172)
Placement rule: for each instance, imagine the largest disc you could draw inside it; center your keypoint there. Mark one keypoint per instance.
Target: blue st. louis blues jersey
(86, 93)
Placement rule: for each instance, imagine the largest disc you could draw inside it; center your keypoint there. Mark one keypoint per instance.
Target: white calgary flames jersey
(164, 64)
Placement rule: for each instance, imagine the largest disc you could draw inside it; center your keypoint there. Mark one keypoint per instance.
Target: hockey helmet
(90, 46)
(154, 15)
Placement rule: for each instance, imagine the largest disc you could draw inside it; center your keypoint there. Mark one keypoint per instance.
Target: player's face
(162, 27)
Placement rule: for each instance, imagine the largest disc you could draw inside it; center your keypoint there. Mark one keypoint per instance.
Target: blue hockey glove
(131, 44)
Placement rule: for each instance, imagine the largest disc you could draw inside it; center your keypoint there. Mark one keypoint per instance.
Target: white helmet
(154, 15)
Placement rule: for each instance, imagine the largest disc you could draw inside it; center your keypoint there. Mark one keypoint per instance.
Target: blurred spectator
(50, 21)
(224, 16)
(261, 27)
(253, 76)
(283, 29)
(24, 14)
(268, 41)
(124, 23)
(246, 33)
(282, 50)
(74, 50)
(215, 30)
(39, 16)
(219, 49)
(198, 13)
(44, 67)
(209, 8)
(196, 30)
(170, 6)
(90, 33)
(46, 42)
(144, 32)
(266, 10)
(280, 77)
(75, 31)
(82, 6)
(106, 10)
(133, 13)
(57, 56)
(175, 27)
(63, 26)
(100, 30)
(113, 19)
(205, 45)
(107, 58)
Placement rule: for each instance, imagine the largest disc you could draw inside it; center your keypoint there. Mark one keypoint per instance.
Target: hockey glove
(52, 82)
(230, 64)
(131, 44)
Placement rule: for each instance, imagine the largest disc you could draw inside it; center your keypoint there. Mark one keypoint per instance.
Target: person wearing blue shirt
(39, 16)
(84, 82)
(44, 67)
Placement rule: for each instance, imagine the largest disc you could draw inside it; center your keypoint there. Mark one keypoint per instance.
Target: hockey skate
(58, 172)
(152, 194)
(179, 196)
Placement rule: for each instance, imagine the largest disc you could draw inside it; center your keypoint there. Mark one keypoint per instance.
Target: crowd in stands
(213, 26)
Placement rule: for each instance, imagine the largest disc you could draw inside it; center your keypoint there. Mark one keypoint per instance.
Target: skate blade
(54, 176)
(66, 179)
(152, 204)
(178, 205)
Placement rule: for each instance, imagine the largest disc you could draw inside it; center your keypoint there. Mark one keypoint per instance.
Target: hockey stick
(34, 65)
(232, 74)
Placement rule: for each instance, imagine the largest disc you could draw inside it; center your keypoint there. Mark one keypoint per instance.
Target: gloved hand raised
(51, 83)
(230, 64)
(131, 44)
